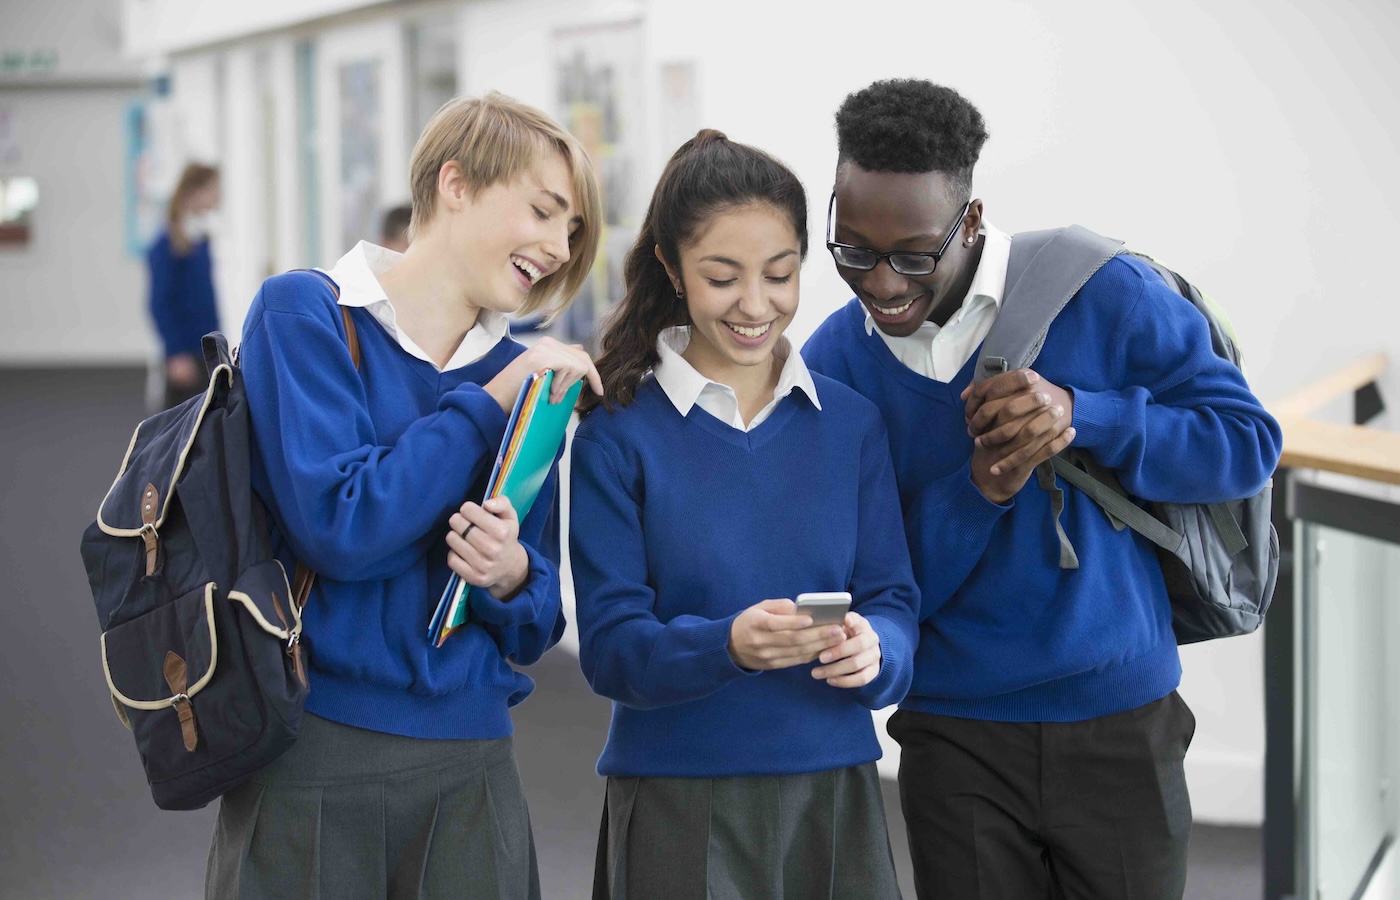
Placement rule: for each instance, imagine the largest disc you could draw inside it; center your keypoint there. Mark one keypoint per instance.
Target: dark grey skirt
(798, 837)
(349, 813)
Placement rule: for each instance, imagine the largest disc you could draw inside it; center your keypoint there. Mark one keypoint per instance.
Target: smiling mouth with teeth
(749, 331)
(527, 267)
(894, 310)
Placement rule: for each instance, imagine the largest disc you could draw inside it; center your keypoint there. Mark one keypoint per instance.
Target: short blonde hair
(496, 138)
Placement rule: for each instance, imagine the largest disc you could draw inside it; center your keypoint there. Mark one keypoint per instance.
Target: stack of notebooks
(532, 440)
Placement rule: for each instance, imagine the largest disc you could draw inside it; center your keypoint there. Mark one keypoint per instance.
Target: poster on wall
(19, 195)
(142, 202)
(598, 91)
(359, 152)
(152, 158)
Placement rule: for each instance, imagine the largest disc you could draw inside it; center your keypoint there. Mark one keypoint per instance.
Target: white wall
(86, 34)
(73, 293)
(155, 27)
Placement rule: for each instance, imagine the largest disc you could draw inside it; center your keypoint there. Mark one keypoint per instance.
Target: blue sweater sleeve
(1185, 428)
(626, 652)
(948, 522)
(949, 526)
(353, 507)
(532, 621)
(164, 314)
(882, 583)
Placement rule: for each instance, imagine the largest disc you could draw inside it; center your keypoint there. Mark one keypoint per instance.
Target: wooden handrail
(1346, 449)
(1330, 447)
(1310, 398)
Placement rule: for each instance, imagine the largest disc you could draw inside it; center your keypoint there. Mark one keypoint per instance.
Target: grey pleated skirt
(786, 837)
(349, 814)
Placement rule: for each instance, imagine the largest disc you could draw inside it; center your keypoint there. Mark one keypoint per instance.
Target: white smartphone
(825, 608)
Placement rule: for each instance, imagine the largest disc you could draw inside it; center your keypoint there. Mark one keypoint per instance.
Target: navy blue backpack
(200, 624)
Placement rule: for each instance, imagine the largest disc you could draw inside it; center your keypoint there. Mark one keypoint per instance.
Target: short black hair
(395, 222)
(911, 125)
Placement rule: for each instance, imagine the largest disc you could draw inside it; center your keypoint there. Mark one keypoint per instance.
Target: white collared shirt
(357, 273)
(685, 387)
(940, 353)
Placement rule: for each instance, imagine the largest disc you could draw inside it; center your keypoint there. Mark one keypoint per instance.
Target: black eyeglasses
(903, 262)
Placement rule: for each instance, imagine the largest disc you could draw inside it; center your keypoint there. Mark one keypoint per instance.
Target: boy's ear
(452, 185)
(972, 222)
(675, 279)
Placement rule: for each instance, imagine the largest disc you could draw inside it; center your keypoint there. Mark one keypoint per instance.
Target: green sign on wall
(40, 61)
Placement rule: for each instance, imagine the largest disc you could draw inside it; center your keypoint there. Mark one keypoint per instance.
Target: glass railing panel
(1352, 641)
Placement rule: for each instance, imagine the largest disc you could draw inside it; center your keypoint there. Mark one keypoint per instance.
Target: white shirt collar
(685, 387)
(988, 282)
(357, 274)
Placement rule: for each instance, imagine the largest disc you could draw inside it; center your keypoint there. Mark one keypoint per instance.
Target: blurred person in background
(393, 228)
(182, 302)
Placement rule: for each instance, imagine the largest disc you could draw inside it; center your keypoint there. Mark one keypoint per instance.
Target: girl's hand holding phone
(770, 635)
(856, 660)
(484, 547)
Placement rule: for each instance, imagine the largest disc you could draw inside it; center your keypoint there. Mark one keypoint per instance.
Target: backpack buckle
(149, 535)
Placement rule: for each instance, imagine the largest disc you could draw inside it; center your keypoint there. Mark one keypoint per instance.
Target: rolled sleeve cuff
(1097, 419)
(892, 681)
(534, 597)
(968, 507)
(712, 652)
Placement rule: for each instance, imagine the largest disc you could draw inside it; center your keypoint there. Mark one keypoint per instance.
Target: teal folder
(531, 443)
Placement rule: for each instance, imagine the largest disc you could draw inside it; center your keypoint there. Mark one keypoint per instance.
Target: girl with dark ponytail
(627, 347)
(715, 480)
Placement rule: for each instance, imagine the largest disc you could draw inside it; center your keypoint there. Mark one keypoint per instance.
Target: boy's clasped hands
(1018, 420)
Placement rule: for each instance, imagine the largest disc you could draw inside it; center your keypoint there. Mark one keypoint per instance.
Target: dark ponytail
(708, 175)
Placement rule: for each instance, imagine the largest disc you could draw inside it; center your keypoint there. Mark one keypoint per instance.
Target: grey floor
(76, 820)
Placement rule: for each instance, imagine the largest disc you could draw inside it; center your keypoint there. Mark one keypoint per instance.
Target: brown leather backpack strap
(304, 578)
(302, 581)
(351, 337)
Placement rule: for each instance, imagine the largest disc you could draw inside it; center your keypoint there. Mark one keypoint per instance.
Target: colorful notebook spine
(452, 608)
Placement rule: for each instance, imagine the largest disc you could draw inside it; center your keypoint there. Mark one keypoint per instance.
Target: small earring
(680, 294)
(972, 240)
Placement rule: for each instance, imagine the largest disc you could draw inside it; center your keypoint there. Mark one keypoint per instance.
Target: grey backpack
(1220, 560)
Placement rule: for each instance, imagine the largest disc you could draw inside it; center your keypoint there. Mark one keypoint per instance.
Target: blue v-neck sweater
(677, 524)
(1005, 634)
(361, 471)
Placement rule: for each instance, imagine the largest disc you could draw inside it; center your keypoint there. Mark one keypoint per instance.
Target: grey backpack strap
(1045, 477)
(1046, 269)
(1121, 508)
(1231, 535)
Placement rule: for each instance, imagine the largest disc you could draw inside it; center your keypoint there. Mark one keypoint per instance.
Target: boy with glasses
(1042, 739)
